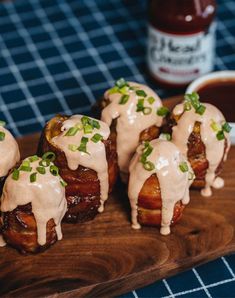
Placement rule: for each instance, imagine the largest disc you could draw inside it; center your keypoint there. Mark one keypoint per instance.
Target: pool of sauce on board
(220, 93)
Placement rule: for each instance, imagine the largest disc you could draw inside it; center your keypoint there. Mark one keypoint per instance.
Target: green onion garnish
(215, 126)
(2, 135)
(124, 90)
(49, 156)
(140, 105)
(141, 93)
(124, 99)
(220, 135)
(146, 152)
(79, 126)
(33, 177)
(87, 129)
(226, 127)
(72, 131)
(96, 138)
(73, 147)
(15, 174)
(149, 166)
(2, 123)
(151, 100)
(113, 90)
(162, 111)
(63, 183)
(33, 158)
(147, 110)
(41, 170)
(121, 83)
(26, 163)
(200, 110)
(193, 98)
(187, 106)
(54, 170)
(44, 163)
(165, 136)
(25, 168)
(183, 166)
(85, 120)
(95, 124)
(82, 147)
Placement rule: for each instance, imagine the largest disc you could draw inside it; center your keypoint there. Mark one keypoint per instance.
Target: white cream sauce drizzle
(46, 195)
(174, 184)
(2, 241)
(129, 122)
(214, 147)
(95, 160)
(9, 152)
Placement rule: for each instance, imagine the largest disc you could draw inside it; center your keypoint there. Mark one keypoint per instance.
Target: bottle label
(179, 59)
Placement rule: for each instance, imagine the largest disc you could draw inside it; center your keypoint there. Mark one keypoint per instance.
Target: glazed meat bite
(86, 156)
(33, 204)
(159, 182)
(135, 111)
(9, 150)
(202, 134)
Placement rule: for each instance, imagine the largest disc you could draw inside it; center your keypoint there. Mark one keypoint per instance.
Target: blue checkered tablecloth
(60, 56)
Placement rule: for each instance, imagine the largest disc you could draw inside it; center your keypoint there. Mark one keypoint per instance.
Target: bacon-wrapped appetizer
(86, 156)
(9, 152)
(33, 204)
(135, 112)
(159, 182)
(202, 134)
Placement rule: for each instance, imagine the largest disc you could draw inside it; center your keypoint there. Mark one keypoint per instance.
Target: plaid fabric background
(60, 56)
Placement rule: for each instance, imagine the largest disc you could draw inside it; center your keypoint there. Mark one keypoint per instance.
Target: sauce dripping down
(214, 147)
(9, 151)
(130, 123)
(94, 159)
(46, 195)
(174, 184)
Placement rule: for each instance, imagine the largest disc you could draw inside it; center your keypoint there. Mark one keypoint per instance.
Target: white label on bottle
(179, 59)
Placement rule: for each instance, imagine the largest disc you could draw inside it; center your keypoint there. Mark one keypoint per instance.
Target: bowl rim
(222, 74)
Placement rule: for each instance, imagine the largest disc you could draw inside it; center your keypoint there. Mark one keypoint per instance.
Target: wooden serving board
(106, 257)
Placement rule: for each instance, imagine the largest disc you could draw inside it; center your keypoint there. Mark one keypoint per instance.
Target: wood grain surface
(106, 257)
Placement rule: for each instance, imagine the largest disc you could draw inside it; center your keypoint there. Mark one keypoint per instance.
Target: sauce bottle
(181, 40)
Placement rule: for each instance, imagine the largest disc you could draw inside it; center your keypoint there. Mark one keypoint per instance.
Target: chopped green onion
(54, 170)
(140, 105)
(25, 168)
(151, 100)
(41, 170)
(95, 124)
(149, 166)
(63, 183)
(124, 90)
(124, 99)
(33, 177)
(146, 152)
(96, 138)
(15, 174)
(87, 128)
(220, 135)
(193, 98)
(2, 123)
(44, 163)
(162, 111)
(33, 158)
(165, 136)
(82, 147)
(201, 109)
(2, 135)
(226, 127)
(183, 166)
(187, 106)
(121, 83)
(113, 90)
(49, 156)
(141, 93)
(79, 126)
(147, 110)
(72, 131)
(73, 147)
(215, 126)
(85, 120)
(26, 163)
